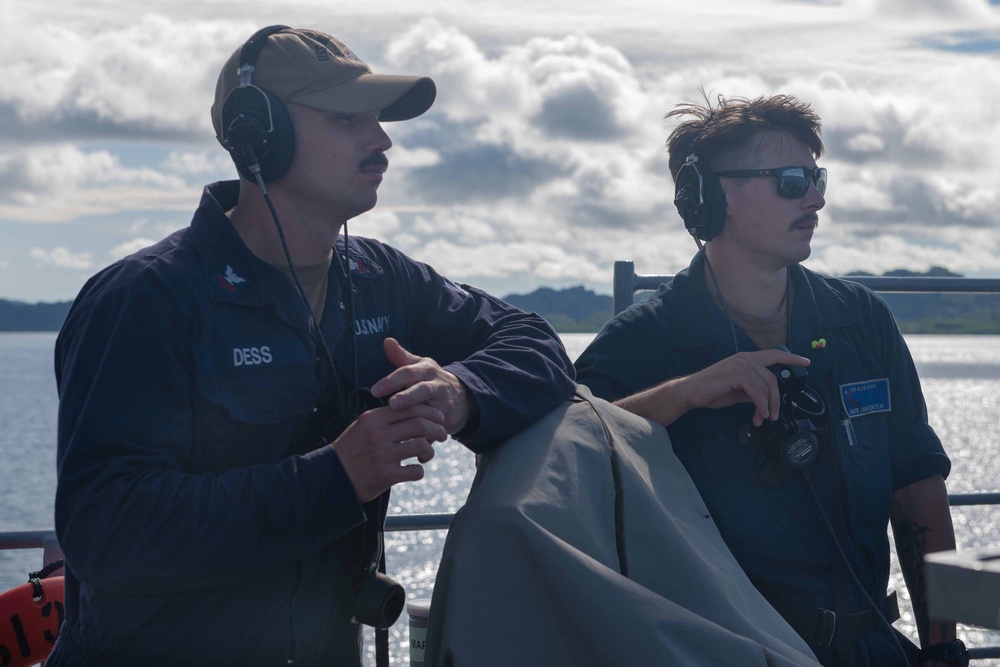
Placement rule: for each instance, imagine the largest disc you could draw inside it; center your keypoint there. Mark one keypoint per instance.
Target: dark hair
(734, 128)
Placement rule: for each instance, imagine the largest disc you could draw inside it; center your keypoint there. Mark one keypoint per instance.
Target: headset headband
(251, 51)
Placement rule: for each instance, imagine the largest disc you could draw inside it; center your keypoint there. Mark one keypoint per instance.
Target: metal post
(624, 287)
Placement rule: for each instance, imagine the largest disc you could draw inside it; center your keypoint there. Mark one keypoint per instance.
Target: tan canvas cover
(530, 571)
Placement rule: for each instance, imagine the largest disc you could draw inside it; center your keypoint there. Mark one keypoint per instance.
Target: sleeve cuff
(329, 484)
(477, 413)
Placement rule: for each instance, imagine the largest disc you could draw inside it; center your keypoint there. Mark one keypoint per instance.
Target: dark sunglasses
(793, 182)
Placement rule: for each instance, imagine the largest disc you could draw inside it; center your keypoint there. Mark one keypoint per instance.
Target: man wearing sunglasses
(802, 456)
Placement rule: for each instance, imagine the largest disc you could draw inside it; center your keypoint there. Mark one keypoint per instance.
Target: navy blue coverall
(197, 529)
(875, 438)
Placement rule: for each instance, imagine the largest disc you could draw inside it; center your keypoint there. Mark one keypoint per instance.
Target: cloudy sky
(542, 160)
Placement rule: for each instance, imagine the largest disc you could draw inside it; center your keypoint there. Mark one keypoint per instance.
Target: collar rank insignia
(229, 280)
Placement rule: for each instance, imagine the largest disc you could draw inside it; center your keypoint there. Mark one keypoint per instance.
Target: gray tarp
(530, 571)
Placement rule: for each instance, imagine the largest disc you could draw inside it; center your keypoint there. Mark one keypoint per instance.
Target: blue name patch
(863, 398)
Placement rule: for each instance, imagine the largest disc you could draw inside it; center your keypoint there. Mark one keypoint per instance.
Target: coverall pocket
(250, 417)
(868, 470)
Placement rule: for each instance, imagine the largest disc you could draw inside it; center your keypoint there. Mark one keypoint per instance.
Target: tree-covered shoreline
(580, 310)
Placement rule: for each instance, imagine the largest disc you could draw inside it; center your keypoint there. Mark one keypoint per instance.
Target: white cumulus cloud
(129, 247)
(63, 258)
(542, 159)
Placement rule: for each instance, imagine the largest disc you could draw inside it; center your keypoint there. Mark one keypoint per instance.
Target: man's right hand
(742, 378)
(372, 449)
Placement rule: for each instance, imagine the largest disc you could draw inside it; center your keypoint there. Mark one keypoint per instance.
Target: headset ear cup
(688, 198)
(714, 205)
(700, 201)
(282, 145)
(247, 116)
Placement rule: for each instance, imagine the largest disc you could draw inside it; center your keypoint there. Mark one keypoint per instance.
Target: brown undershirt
(314, 283)
(765, 332)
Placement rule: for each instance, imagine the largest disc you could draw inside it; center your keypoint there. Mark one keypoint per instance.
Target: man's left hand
(419, 380)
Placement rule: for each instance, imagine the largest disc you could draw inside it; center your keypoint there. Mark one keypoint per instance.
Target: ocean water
(961, 381)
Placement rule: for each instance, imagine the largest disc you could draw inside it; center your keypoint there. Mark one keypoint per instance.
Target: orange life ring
(28, 627)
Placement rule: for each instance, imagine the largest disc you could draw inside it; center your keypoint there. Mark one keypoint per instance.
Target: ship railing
(40, 539)
(627, 282)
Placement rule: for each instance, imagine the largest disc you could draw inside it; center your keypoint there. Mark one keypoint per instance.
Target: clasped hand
(426, 403)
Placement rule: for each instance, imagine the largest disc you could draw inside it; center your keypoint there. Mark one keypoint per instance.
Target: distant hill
(933, 272)
(570, 310)
(580, 310)
(20, 316)
(942, 313)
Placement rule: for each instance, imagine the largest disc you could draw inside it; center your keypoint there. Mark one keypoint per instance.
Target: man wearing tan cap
(237, 400)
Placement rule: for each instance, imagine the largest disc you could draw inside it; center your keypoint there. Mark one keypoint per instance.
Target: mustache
(807, 218)
(373, 160)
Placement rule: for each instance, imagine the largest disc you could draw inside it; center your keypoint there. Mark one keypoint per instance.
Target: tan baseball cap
(311, 68)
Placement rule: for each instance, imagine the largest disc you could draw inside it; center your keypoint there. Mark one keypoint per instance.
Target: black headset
(256, 128)
(699, 199)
